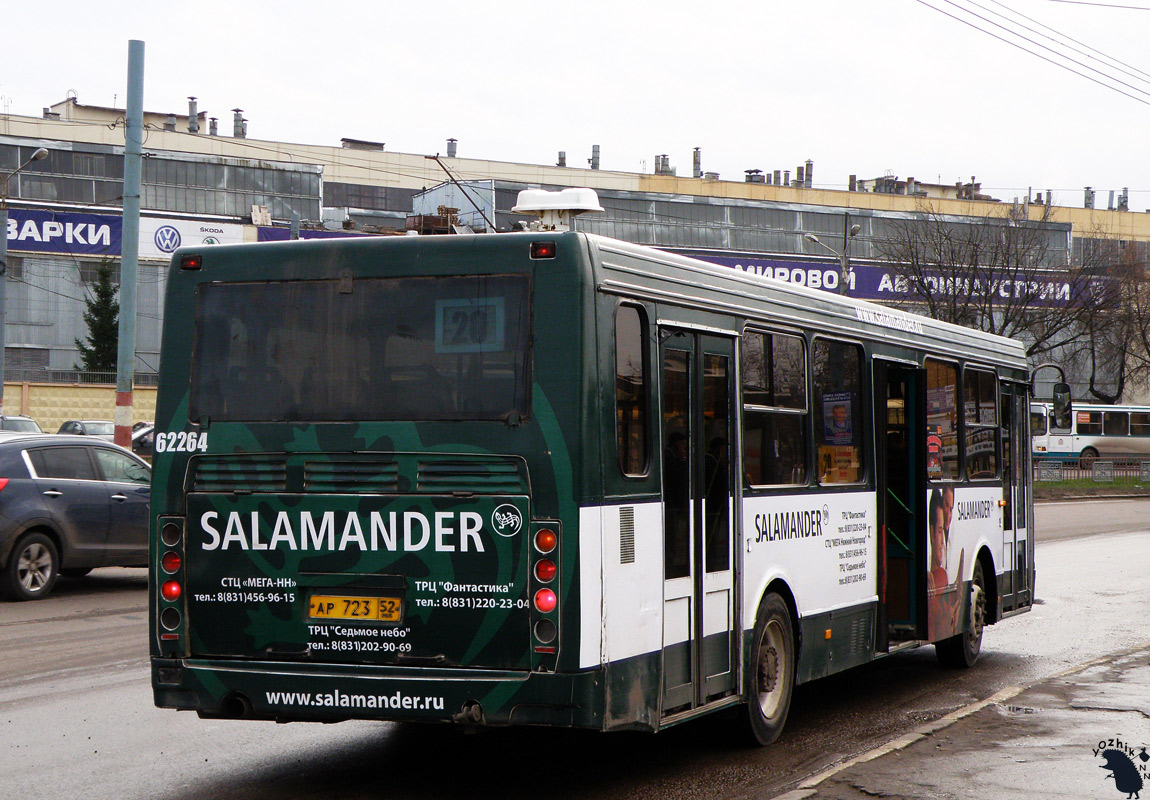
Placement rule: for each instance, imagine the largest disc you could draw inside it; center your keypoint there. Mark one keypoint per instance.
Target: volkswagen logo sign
(506, 520)
(167, 239)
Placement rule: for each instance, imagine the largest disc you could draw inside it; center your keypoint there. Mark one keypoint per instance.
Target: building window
(15, 270)
(89, 272)
(774, 378)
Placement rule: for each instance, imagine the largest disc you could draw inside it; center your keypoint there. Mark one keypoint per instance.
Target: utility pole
(130, 249)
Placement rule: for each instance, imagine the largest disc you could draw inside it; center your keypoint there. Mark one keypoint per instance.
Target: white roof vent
(556, 209)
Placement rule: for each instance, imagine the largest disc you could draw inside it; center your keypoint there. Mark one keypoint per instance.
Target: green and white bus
(549, 478)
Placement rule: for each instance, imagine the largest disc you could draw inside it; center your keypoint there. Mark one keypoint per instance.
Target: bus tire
(772, 679)
(1087, 458)
(962, 651)
(32, 568)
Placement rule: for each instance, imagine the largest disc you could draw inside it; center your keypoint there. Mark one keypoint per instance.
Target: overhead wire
(1144, 101)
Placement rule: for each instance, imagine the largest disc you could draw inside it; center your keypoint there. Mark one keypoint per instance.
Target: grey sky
(858, 86)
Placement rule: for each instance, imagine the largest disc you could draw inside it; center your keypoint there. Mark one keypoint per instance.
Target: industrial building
(204, 185)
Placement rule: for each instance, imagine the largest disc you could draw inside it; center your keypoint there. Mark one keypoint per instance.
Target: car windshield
(22, 425)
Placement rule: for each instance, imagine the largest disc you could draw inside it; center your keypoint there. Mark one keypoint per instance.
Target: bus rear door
(698, 592)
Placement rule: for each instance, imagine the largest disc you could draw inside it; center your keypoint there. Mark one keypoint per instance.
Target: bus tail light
(171, 562)
(545, 570)
(171, 591)
(191, 262)
(545, 601)
(545, 540)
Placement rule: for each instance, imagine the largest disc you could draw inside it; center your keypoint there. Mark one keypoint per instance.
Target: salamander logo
(506, 520)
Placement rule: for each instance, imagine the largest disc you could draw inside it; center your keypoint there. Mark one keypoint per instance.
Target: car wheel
(32, 569)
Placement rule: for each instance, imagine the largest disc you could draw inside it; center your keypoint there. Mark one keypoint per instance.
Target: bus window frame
(960, 471)
(804, 413)
(996, 426)
(648, 393)
(864, 423)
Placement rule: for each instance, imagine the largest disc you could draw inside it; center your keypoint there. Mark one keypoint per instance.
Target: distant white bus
(1090, 432)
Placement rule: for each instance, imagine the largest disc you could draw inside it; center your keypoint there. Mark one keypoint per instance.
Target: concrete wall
(53, 404)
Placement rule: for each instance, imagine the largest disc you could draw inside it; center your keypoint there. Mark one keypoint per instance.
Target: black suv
(68, 504)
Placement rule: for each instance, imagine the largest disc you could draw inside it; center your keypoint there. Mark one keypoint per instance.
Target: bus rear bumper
(288, 692)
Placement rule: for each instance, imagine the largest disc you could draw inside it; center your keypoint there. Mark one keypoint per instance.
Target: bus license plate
(378, 609)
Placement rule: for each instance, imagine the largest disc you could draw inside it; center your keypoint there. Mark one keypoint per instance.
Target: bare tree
(1002, 274)
(1116, 351)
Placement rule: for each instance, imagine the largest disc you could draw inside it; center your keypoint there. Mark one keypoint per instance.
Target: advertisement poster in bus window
(837, 424)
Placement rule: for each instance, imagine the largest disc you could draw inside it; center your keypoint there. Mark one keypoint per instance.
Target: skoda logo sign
(506, 520)
(211, 240)
(167, 239)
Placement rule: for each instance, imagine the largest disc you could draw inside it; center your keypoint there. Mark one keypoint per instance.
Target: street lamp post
(843, 257)
(37, 155)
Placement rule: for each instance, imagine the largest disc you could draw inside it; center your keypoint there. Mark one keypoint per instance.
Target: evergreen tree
(103, 320)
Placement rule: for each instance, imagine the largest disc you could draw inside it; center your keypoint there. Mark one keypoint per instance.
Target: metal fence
(1097, 470)
(42, 375)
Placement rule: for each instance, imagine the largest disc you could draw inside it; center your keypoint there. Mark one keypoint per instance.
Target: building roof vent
(556, 210)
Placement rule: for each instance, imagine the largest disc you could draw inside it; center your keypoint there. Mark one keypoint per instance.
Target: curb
(809, 787)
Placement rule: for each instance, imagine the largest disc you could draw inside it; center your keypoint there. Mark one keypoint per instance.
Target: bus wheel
(962, 650)
(31, 570)
(1087, 457)
(773, 668)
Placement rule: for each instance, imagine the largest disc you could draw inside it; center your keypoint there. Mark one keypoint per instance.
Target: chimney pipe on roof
(170, 123)
(697, 168)
(853, 183)
(810, 174)
(452, 147)
(238, 123)
(193, 116)
(562, 159)
(778, 177)
(213, 126)
(1088, 198)
(594, 160)
(786, 177)
(1124, 199)
(800, 179)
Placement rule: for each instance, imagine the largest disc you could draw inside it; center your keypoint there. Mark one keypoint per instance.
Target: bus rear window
(436, 348)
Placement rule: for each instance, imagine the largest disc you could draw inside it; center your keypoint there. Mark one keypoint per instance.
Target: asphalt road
(76, 714)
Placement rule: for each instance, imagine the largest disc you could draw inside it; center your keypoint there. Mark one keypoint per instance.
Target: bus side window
(836, 369)
(941, 421)
(980, 423)
(631, 389)
(1037, 422)
(774, 378)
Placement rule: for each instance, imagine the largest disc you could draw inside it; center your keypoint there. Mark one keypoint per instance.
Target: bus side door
(699, 638)
(1016, 583)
